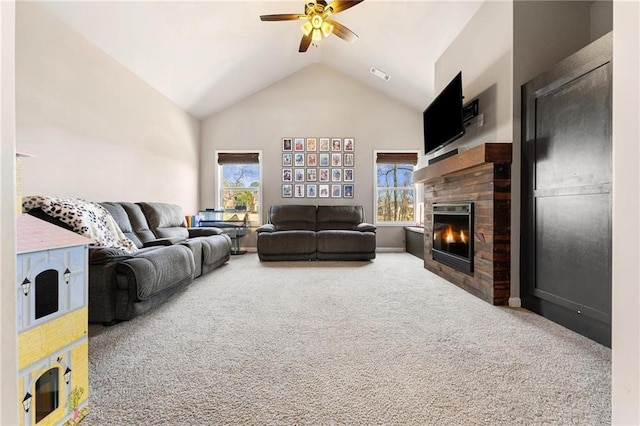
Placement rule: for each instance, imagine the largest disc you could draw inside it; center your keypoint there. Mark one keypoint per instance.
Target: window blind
(397, 158)
(238, 158)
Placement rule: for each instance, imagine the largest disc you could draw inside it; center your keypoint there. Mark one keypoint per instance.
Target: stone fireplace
(467, 232)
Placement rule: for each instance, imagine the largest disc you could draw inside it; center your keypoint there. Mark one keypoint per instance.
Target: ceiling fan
(317, 25)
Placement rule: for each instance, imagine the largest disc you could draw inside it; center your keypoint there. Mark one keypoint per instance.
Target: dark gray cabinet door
(566, 192)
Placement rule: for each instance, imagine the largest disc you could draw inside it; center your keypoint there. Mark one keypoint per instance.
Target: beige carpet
(317, 343)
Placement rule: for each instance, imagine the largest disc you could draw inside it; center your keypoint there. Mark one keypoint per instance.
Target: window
(239, 185)
(395, 192)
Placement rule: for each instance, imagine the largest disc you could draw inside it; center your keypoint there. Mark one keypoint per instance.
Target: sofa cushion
(343, 241)
(287, 242)
(156, 270)
(122, 220)
(165, 220)
(293, 217)
(139, 224)
(339, 217)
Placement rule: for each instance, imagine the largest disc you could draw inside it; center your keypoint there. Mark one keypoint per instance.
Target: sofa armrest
(366, 227)
(267, 227)
(102, 255)
(204, 231)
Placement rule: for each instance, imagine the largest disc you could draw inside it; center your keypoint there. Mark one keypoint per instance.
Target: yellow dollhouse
(52, 322)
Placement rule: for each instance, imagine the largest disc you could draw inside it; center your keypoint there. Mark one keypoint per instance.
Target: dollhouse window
(46, 293)
(47, 395)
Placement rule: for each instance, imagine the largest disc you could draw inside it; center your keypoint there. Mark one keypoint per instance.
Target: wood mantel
(481, 175)
(499, 153)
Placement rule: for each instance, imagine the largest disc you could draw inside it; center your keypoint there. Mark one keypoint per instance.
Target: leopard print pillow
(85, 218)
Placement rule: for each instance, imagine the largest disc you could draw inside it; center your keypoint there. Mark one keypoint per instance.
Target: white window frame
(416, 190)
(218, 174)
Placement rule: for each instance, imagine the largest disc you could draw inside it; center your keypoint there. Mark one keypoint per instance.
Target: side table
(234, 229)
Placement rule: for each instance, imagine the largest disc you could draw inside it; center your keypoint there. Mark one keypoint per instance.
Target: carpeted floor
(381, 342)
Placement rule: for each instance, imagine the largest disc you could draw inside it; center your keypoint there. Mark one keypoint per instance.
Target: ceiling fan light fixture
(317, 21)
(327, 29)
(316, 35)
(307, 28)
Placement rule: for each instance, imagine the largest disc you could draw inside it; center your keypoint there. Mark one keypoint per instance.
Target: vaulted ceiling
(207, 55)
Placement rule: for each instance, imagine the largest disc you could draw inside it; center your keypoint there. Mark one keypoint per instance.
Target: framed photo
(336, 191)
(349, 144)
(312, 160)
(348, 160)
(348, 191)
(312, 175)
(312, 191)
(287, 190)
(336, 159)
(323, 191)
(324, 159)
(298, 159)
(336, 144)
(347, 175)
(336, 175)
(298, 175)
(287, 175)
(324, 144)
(311, 144)
(287, 144)
(298, 190)
(287, 160)
(298, 144)
(324, 175)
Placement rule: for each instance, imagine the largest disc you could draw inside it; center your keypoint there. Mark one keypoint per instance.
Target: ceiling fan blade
(283, 17)
(340, 5)
(304, 43)
(343, 32)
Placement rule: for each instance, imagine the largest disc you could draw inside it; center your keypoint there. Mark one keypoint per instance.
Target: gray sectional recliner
(169, 257)
(308, 232)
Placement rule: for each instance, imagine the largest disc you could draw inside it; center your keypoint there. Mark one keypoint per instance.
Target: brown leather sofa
(307, 232)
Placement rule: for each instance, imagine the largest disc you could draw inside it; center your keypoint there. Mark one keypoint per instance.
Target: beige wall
(626, 213)
(316, 101)
(483, 52)
(96, 130)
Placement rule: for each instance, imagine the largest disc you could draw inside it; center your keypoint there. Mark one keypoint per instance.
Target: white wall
(626, 214)
(8, 346)
(316, 101)
(96, 130)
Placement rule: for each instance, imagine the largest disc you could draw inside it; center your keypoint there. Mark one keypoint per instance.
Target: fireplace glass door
(453, 235)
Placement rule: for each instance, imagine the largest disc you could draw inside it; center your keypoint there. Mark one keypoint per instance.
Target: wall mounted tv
(442, 119)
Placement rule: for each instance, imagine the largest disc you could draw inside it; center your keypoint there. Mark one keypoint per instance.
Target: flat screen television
(442, 119)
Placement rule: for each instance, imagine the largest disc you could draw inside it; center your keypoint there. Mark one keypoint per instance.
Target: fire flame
(448, 236)
(451, 237)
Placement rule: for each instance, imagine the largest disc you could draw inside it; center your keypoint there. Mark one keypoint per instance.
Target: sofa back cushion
(293, 217)
(139, 223)
(165, 220)
(122, 220)
(339, 217)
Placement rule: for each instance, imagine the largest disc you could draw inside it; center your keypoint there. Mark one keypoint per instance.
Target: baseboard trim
(390, 250)
(515, 302)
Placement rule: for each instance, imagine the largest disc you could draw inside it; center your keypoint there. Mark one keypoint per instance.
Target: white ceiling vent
(375, 71)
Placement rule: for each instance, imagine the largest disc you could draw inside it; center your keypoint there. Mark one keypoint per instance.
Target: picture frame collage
(318, 167)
